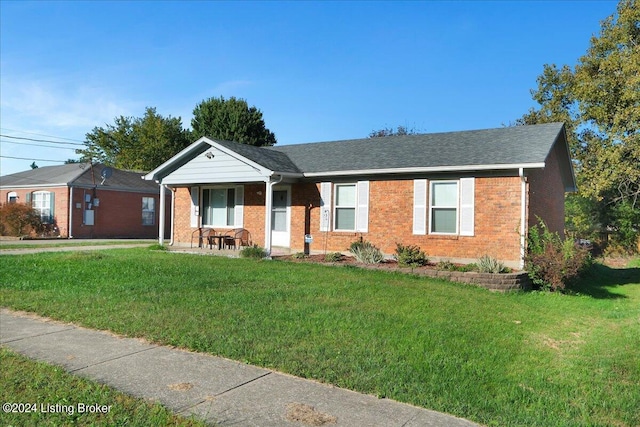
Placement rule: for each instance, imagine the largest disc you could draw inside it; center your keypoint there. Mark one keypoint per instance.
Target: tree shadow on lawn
(601, 280)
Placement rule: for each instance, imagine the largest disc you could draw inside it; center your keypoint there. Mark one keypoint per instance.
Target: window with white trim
(41, 202)
(345, 207)
(444, 207)
(219, 207)
(148, 211)
(12, 197)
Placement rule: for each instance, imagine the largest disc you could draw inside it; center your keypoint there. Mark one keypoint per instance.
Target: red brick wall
(118, 215)
(546, 193)
(497, 220)
(61, 203)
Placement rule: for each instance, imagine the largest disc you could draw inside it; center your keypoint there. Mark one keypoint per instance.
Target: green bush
(446, 265)
(333, 257)
(254, 251)
(19, 219)
(366, 252)
(410, 256)
(553, 263)
(488, 264)
(298, 255)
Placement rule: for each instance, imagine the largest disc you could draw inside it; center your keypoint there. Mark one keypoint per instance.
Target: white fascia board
(59, 185)
(434, 169)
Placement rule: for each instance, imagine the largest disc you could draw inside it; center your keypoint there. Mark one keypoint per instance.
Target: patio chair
(202, 234)
(238, 237)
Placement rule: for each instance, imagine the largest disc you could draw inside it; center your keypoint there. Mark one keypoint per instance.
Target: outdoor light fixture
(209, 155)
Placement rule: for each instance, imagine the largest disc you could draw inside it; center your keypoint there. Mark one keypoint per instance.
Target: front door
(280, 218)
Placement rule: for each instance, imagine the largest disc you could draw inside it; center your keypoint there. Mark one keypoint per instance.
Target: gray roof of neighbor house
(79, 175)
(502, 146)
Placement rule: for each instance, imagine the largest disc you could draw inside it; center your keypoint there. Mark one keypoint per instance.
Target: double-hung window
(444, 207)
(345, 207)
(42, 203)
(219, 206)
(148, 211)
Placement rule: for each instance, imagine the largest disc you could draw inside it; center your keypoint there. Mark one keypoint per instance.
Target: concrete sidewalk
(220, 391)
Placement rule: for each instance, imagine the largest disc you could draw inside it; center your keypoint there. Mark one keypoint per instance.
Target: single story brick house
(83, 200)
(457, 195)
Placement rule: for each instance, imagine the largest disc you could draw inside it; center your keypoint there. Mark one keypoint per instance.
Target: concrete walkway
(220, 391)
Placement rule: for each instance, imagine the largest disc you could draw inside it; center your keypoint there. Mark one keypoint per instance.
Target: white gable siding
(220, 168)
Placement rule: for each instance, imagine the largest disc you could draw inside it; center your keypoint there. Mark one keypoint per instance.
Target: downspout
(70, 227)
(523, 215)
(173, 213)
(268, 206)
(162, 215)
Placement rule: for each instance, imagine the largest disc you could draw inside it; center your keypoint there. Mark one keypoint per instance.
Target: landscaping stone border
(501, 282)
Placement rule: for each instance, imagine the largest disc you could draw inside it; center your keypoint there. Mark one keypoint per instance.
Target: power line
(37, 145)
(37, 160)
(40, 140)
(41, 134)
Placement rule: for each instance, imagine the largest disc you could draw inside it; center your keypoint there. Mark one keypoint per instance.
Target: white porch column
(70, 227)
(268, 206)
(162, 216)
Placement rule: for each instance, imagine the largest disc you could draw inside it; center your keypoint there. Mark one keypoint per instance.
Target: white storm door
(281, 217)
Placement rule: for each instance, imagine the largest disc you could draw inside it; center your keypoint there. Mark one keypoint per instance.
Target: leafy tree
(136, 143)
(599, 101)
(400, 130)
(231, 120)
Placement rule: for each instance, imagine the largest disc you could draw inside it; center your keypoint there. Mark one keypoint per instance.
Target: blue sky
(318, 71)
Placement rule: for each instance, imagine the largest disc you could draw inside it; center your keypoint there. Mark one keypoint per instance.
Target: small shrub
(254, 251)
(19, 219)
(298, 255)
(488, 264)
(333, 257)
(410, 256)
(552, 263)
(446, 265)
(469, 267)
(366, 252)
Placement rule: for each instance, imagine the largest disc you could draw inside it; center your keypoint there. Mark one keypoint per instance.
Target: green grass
(44, 386)
(6, 245)
(526, 359)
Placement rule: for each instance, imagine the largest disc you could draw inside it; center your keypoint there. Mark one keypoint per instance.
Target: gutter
(523, 215)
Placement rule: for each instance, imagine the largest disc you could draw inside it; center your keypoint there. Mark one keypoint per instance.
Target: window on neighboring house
(42, 202)
(444, 207)
(148, 211)
(219, 207)
(345, 207)
(12, 197)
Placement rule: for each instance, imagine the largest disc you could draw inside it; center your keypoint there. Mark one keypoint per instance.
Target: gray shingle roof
(501, 146)
(79, 174)
(45, 175)
(270, 159)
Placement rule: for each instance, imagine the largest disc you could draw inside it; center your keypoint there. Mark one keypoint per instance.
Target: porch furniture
(238, 237)
(202, 234)
(220, 238)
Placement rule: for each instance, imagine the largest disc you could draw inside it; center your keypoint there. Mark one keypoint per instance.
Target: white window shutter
(325, 206)
(420, 206)
(239, 209)
(195, 206)
(362, 209)
(467, 196)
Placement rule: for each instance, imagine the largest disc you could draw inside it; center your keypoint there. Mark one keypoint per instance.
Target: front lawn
(497, 359)
(42, 395)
